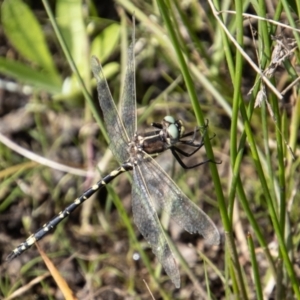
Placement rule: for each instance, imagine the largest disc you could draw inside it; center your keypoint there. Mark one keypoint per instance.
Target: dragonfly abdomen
(48, 227)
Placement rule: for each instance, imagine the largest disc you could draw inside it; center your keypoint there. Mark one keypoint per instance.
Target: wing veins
(146, 219)
(172, 200)
(115, 127)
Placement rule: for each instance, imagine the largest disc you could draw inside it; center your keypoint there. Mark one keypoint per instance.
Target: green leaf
(71, 22)
(39, 80)
(104, 43)
(293, 5)
(24, 32)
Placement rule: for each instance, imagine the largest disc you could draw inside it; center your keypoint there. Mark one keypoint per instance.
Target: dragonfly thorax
(135, 149)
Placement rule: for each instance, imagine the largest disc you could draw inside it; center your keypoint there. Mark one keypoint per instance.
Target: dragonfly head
(173, 129)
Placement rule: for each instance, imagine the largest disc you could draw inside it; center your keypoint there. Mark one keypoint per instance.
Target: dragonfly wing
(114, 125)
(171, 199)
(128, 107)
(147, 221)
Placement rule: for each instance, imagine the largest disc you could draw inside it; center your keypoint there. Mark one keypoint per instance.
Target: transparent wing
(128, 106)
(146, 220)
(172, 200)
(115, 128)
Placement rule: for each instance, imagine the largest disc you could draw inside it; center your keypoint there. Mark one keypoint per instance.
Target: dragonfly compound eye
(169, 119)
(173, 132)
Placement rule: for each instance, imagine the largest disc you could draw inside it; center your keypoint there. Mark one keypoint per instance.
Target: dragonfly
(151, 184)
